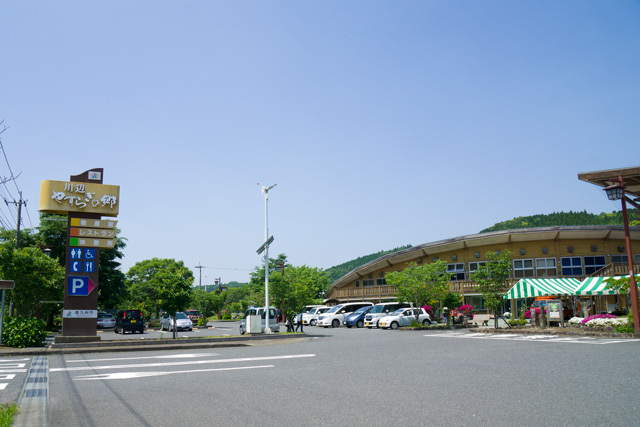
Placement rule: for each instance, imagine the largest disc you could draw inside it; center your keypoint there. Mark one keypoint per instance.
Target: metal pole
(1, 317)
(267, 330)
(633, 288)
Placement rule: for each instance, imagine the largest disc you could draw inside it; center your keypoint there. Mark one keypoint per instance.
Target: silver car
(259, 311)
(106, 320)
(183, 322)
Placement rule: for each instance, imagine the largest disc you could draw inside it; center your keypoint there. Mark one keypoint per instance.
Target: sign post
(84, 199)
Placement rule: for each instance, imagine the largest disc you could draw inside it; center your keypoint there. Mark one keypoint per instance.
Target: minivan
(129, 320)
(336, 315)
(259, 311)
(380, 310)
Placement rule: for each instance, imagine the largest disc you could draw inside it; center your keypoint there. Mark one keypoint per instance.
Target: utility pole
(200, 267)
(19, 203)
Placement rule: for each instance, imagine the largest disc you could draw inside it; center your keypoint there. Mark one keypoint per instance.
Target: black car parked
(129, 320)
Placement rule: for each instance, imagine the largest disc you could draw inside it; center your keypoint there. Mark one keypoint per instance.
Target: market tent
(596, 286)
(527, 288)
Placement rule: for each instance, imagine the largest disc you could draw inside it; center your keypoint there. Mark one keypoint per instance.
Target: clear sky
(384, 123)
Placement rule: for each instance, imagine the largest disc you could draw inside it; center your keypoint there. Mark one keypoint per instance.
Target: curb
(144, 345)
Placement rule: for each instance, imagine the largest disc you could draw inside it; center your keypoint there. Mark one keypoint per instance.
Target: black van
(129, 320)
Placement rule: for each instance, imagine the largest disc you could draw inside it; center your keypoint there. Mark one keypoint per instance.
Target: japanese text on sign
(62, 197)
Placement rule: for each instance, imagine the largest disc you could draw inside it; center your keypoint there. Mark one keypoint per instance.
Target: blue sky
(383, 123)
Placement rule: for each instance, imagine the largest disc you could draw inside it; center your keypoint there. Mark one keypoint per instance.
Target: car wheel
(335, 323)
(394, 325)
(378, 324)
(241, 331)
(369, 327)
(190, 329)
(360, 324)
(426, 322)
(312, 323)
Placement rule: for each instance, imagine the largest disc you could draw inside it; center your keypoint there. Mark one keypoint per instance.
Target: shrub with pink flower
(598, 316)
(527, 314)
(466, 308)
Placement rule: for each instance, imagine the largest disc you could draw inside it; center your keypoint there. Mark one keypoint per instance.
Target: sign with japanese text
(80, 314)
(93, 232)
(63, 197)
(93, 223)
(91, 242)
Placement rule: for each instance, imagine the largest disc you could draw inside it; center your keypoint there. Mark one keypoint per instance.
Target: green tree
(420, 284)
(300, 286)
(207, 303)
(492, 279)
(37, 278)
(159, 283)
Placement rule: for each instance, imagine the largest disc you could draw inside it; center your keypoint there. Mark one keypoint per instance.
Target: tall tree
(492, 279)
(37, 278)
(159, 283)
(420, 284)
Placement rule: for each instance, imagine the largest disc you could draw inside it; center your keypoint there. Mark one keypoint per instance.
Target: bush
(226, 316)
(23, 332)
(202, 321)
(517, 322)
(628, 327)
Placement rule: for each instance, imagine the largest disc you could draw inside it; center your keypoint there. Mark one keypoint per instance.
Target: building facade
(549, 252)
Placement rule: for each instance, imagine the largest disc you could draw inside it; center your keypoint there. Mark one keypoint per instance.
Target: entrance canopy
(596, 286)
(528, 288)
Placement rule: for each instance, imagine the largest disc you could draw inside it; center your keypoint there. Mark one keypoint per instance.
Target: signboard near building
(555, 312)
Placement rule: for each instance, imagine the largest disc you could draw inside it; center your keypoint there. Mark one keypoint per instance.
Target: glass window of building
(619, 259)
(522, 268)
(594, 263)
(546, 267)
(381, 282)
(368, 282)
(571, 266)
(456, 271)
(474, 266)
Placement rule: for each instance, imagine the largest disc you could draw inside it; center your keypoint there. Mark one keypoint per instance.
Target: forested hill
(338, 271)
(564, 218)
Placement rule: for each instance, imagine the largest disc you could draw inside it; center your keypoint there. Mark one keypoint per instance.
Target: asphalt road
(355, 377)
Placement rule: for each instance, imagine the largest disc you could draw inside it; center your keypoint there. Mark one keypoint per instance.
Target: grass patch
(7, 412)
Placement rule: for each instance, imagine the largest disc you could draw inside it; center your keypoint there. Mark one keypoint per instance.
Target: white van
(380, 310)
(335, 316)
(259, 311)
(311, 318)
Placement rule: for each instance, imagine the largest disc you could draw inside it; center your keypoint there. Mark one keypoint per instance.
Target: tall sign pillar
(84, 199)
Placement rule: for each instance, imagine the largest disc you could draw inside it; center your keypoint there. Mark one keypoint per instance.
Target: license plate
(133, 321)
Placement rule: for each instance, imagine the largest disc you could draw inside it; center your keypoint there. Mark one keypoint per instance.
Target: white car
(183, 322)
(311, 317)
(404, 317)
(335, 316)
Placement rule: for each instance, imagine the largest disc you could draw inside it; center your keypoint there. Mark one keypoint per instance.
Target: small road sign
(80, 286)
(93, 223)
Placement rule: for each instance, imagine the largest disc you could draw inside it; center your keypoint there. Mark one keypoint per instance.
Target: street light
(616, 192)
(265, 191)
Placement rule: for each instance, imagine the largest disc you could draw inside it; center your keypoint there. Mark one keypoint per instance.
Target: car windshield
(104, 316)
(379, 308)
(336, 308)
(314, 310)
(398, 312)
(192, 312)
(362, 310)
(181, 315)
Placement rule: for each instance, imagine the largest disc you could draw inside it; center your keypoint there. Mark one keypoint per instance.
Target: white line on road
(3, 386)
(173, 356)
(534, 338)
(130, 375)
(196, 362)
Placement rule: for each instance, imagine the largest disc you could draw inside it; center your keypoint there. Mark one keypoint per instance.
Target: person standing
(299, 323)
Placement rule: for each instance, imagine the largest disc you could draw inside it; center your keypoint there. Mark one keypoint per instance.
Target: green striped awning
(596, 286)
(527, 288)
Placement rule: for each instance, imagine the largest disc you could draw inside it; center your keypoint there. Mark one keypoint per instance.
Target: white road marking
(12, 365)
(535, 338)
(130, 375)
(196, 362)
(175, 356)
(4, 371)
(14, 360)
